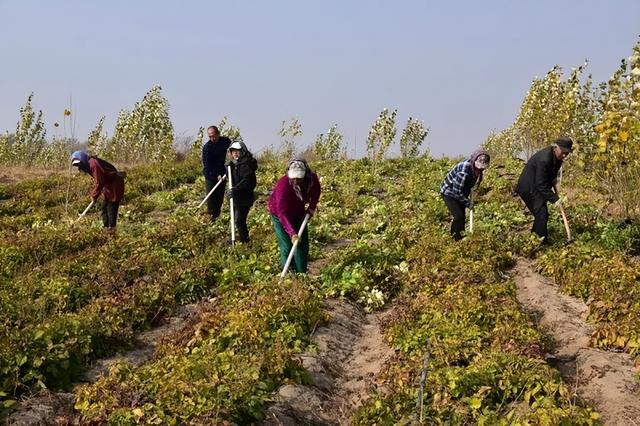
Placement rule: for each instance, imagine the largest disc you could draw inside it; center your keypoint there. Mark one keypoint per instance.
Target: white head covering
(297, 170)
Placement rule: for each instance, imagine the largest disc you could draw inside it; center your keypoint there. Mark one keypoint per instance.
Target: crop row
(486, 361)
(89, 297)
(228, 362)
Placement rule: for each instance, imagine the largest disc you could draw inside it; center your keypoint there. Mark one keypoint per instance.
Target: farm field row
(69, 295)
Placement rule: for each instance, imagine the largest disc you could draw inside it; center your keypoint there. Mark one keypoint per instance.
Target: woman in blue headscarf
(107, 181)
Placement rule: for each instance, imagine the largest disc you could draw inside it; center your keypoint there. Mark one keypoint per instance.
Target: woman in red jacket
(107, 181)
(295, 195)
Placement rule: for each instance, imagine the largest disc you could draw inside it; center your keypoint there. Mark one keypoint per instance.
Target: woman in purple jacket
(295, 195)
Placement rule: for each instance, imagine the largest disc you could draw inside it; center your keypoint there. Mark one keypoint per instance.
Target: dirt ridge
(351, 352)
(604, 379)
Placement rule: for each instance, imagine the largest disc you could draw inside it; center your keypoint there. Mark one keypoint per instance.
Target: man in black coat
(243, 172)
(214, 153)
(537, 181)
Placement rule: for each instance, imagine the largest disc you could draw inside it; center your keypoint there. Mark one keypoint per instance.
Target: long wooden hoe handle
(81, 215)
(564, 216)
(211, 192)
(232, 213)
(471, 214)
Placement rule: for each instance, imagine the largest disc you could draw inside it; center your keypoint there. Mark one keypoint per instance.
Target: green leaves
(97, 142)
(330, 146)
(616, 156)
(381, 135)
(412, 137)
(145, 133)
(26, 146)
(288, 134)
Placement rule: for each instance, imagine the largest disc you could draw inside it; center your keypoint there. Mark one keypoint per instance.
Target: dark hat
(565, 144)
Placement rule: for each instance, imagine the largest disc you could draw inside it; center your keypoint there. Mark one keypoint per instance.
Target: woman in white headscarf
(295, 195)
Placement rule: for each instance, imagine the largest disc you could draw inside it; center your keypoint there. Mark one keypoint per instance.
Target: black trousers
(214, 203)
(110, 213)
(240, 213)
(538, 208)
(456, 208)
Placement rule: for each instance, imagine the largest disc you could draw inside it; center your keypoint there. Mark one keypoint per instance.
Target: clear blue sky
(462, 67)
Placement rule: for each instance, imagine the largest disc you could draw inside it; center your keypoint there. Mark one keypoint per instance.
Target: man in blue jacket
(537, 181)
(214, 153)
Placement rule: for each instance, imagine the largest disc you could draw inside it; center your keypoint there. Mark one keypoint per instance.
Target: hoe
(564, 216)
(294, 246)
(233, 229)
(210, 192)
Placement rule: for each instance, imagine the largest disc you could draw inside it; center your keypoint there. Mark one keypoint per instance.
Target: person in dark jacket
(107, 181)
(214, 154)
(295, 195)
(536, 183)
(243, 172)
(457, 185)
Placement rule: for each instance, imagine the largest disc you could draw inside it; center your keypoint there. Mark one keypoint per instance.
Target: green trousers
(301, 256)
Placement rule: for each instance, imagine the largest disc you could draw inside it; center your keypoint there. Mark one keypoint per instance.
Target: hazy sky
(462, 67)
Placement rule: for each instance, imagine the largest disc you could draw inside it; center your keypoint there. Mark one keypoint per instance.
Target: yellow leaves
(475, 403)
(602, 144)
(621, 341)
(623, 136)
(82, 405)
(633, 343)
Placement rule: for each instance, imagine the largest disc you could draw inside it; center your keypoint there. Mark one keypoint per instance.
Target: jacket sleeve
(315, 193)
(459, 183)
(247, 178)
(205, 160)
(99, 178)
(542, 182)
(470, 181)
(281, 207)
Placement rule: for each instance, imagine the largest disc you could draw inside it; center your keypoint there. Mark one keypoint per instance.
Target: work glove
(294, 238)
(562, 199)
(231, 193)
